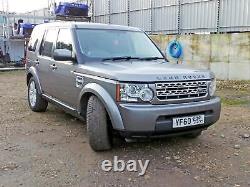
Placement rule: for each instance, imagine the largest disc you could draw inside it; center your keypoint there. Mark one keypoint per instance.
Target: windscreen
(115, 43)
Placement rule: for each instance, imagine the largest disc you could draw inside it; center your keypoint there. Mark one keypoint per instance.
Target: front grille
(181, 90)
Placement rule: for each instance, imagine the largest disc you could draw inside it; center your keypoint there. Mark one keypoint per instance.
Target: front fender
(34, 74)
(107, 101)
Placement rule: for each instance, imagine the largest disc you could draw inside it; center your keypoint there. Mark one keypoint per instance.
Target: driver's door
(65, 81)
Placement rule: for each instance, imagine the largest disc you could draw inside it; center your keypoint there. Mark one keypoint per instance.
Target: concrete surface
(51, 148)
(227, 55)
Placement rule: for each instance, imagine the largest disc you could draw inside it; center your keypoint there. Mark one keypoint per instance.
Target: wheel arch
(107, 101)
(29, 75)
(32, 72)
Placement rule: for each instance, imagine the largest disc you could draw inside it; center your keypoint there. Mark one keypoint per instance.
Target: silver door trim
(59, 102)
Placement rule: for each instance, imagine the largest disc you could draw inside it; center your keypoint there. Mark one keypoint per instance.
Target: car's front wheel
(98, 128)
(36, 102)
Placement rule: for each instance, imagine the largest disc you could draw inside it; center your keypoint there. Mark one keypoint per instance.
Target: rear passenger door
(33, 48)
(45, 61)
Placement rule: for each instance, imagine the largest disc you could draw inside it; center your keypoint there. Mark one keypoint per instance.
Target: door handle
(37, 62)
(53, 67)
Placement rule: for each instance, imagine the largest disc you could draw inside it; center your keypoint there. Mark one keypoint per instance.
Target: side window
(64, 40)
(36, 35)
(32, 44)
(47, 43)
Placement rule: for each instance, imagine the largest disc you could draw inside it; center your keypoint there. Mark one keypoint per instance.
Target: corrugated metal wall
(235, 15)
(176, 16)
(199, 16)
(119, 14)
(162, 11)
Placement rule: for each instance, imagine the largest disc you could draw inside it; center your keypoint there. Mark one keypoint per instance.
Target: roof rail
(73, 18)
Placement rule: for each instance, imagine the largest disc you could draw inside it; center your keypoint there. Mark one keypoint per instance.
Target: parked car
(118, 80)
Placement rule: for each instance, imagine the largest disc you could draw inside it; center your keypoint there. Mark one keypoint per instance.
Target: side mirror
(30, 48)
(63, 55)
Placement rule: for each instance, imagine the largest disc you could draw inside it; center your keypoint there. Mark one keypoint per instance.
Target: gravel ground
(51, 149)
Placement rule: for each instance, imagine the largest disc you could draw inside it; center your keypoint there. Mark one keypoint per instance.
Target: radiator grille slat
(181, 90)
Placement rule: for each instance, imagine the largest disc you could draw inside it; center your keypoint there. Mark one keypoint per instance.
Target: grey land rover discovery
(118, 80)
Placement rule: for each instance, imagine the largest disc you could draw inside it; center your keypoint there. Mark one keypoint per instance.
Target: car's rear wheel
(36, 102)
(99, 131)
(194, 135)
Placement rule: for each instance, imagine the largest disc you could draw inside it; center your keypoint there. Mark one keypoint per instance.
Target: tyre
(36, 102)
(98, 128)
(194, 135)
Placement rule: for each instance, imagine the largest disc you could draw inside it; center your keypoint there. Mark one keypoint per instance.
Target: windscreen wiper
(121, 58)
(152, 58)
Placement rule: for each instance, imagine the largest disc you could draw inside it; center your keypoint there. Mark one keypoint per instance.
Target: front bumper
(150, 120)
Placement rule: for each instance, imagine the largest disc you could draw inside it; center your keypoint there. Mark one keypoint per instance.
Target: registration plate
(188, 121)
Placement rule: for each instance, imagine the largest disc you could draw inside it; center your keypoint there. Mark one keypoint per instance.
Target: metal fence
(175, 16)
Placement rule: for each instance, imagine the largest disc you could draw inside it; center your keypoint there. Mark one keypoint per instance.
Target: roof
(87, 25)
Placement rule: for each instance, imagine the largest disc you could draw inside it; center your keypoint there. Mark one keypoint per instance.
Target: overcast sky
(26, 5)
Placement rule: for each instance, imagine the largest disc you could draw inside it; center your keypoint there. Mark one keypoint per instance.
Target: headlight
(134, 92)
(212, 87)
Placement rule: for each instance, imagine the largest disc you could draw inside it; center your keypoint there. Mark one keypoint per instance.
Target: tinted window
(36, 35)
(48, 41)
(32, 44)
(64, 40)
